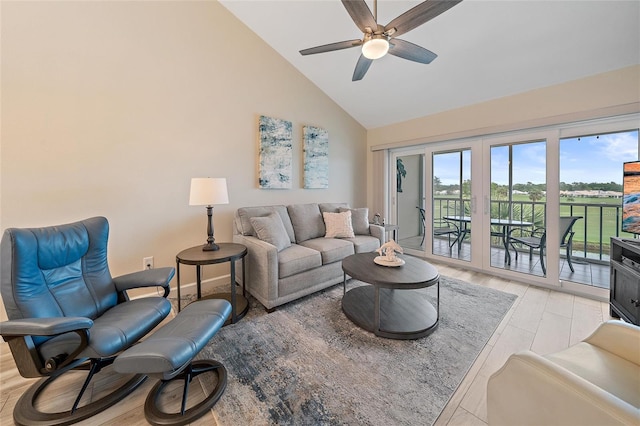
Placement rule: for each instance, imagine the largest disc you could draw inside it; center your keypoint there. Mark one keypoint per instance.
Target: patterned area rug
(307, 364)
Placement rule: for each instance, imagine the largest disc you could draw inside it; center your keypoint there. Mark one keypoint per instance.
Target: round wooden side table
(228, 252)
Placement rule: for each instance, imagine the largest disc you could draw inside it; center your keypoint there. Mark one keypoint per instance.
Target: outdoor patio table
(506, 225)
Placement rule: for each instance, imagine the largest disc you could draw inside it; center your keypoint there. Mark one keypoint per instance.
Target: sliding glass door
(432, 200)
(409, 199)
(507, 204)
(451, 204)
(591, 202)
(517, 207)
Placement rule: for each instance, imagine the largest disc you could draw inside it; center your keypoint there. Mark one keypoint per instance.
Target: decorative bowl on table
(383, 261)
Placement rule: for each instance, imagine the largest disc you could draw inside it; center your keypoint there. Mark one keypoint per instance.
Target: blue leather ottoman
(168, 355)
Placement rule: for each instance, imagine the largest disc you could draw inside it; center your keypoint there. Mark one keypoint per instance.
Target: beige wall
(109, 108)
(602, 95)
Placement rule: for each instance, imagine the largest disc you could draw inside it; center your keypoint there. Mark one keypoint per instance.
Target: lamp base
(211, 242)
(210, 247)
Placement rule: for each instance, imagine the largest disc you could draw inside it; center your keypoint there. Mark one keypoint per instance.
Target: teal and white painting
(316, 157)
(276, 153)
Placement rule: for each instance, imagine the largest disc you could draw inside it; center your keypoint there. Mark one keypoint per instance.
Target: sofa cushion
(296, 259)
(338, 225)
(331, 249)
(364, 243)
(332, 207)
(243, 224)
(359, 220)
(271, 230)
(307, 221)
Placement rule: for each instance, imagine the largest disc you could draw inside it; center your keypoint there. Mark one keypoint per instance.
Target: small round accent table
(228, 252)
(395, 305)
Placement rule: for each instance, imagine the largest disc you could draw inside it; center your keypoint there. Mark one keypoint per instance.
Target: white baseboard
(189, 289)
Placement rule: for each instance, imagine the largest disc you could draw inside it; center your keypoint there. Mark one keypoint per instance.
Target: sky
(585, 159)
(603, 157)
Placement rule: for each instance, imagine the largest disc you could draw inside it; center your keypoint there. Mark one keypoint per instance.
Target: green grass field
(602, 218)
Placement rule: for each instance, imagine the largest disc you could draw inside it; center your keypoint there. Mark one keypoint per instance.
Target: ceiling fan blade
(413, 52)
(331, 47)
(361, 68)
(418, 15)
(360, 14)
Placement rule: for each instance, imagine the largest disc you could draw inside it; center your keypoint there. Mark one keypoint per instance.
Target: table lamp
(207, 192)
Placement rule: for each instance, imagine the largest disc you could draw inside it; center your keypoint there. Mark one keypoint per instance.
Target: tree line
(534, 187)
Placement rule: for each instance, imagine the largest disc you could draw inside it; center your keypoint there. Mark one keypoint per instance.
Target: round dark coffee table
(395, 304)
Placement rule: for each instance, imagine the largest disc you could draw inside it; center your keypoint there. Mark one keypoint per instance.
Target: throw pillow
(307, 221)
(338, 225)
(359, 220)
(270, 229)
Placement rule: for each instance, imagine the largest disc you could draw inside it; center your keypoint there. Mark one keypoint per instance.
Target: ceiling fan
(379, 40)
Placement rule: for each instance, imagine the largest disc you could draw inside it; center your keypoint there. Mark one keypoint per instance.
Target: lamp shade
(375, 48)
(208, 192)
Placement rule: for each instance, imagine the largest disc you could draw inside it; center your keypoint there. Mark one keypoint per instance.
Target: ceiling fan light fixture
(375, 48)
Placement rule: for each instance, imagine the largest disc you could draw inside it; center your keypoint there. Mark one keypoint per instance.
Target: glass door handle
(486, 204)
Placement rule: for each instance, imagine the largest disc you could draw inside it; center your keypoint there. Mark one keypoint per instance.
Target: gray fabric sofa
(288, 254)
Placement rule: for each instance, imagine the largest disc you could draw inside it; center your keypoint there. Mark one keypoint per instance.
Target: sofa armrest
(619, 338)
(261, 268)
(532, 390)
(378, 232)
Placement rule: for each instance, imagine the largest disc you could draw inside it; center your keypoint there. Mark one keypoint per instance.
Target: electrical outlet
(147, 263)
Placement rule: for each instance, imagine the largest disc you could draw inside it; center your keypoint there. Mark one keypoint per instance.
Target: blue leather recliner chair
(66, 311)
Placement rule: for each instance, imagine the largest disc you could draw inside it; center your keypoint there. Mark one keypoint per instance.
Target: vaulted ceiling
(486, 50)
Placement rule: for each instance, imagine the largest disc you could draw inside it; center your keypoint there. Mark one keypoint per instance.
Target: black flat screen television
(631, 197)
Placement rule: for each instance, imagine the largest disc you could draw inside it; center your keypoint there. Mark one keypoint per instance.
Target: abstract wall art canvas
(276, 153)
(316, 157)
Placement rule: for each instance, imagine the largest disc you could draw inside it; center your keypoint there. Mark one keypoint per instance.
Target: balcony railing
(592, 233)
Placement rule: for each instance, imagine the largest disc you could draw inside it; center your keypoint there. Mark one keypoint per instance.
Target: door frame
(393, 202)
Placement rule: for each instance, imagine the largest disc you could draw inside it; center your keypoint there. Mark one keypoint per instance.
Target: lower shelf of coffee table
(404, 314)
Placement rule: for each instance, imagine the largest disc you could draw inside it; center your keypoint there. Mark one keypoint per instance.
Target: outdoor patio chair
(441, 227)
(536, 240)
